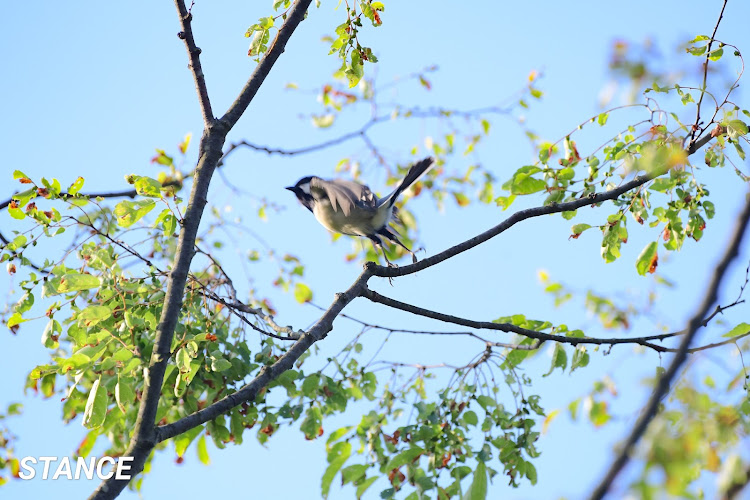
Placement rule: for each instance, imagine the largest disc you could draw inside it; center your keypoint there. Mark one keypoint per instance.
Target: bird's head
(302, 191)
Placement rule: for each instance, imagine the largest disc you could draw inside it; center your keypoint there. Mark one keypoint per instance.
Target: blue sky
(93, 88)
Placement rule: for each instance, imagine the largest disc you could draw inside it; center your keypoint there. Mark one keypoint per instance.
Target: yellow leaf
(552, 415)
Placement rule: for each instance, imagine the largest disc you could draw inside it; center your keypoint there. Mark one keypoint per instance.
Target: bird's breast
(359, 222)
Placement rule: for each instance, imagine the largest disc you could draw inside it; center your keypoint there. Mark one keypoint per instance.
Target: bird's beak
(290, 188)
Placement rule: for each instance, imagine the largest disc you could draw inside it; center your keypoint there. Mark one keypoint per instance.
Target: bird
(351, 208)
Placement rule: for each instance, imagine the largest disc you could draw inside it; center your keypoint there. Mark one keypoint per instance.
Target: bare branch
(662, 386)
(696, 125)
(196, 69)
(362, 131)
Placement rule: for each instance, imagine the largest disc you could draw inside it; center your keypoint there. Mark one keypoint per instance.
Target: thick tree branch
(144, 435)
(662, 386)
(318, 332)
(144, 438)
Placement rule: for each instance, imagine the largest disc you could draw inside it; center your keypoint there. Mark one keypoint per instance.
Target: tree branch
(295, 16)
(186, 18)
(267, 374)
(362, 131)
(533, 334)
(696, 125)
(662, 386)
(144, 434)
(392, 272)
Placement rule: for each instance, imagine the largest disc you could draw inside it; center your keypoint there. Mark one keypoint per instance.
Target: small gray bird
(348, 207)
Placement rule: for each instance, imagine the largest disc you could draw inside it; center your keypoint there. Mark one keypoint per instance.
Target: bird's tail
(416, 171)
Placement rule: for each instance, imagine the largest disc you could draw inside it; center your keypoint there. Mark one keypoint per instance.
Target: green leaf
(478, 488)
(338, 455)
(353, 473)
(96, 405)
(48, 385)
(470, 418)
(738, 330)
(15, 319)
(310, 426)
(183, 360)
(580, 358)
(716, 54)
(355, 70)
(73, 282)
(364, 485)
(736, 128)
(146, 186)
(25, 196)
(598, 414)
(529, 185)
(310, 385)
(130, 212)
(16, 213)
(18, 242)
(405, 457)
(122, 355)
(602, 119)
(302, 293)
(182, 441)
(579, 228)
(559, 359)
(93, 315)
(124, 392)
(644, 262)
(710, 209)
(25, 303)
(202, 451)
(663, 184)
(531, 473)
(220, 364)
(76, 186)
(486, 401)
(186, 379)
(51, 334)
(338, 434)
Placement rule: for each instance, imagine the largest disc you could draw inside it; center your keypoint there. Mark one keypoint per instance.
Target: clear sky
(93, 88)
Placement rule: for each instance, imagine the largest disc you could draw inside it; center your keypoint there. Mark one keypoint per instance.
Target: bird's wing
(346, 194)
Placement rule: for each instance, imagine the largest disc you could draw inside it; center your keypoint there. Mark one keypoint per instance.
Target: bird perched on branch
(349, 207)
